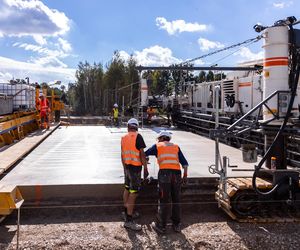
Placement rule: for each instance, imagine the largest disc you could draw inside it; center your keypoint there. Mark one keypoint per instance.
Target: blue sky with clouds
(45, 40)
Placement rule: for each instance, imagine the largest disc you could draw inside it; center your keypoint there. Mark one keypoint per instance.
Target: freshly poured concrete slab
(91, 155)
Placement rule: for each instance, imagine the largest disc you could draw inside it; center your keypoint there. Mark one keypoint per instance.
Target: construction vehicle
(274, 187)
(255, 107)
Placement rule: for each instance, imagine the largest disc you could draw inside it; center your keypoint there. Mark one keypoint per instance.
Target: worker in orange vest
(44, 111)
(169, 158)
(133, 158)
(150, 114)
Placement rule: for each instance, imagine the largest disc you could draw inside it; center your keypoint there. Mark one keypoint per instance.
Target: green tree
(210, 76)
(114, 79)
(202, 76)
(132, 80)
(88, 88)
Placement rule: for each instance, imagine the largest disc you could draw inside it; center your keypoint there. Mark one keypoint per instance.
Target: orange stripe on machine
(276, 63)
(245, 84)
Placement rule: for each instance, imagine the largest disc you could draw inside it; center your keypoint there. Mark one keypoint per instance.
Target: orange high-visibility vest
(130, 154)
(167, 155)
(44, 105)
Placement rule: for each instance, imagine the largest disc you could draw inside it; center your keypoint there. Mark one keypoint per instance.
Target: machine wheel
(245, 203)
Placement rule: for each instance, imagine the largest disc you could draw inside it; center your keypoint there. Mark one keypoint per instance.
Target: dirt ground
(204, 227)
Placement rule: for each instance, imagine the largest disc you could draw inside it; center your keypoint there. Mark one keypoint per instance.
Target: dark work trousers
(169, 185)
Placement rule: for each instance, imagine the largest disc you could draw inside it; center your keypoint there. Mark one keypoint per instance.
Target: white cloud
(46, 27)
(206, 45)
(31, 17)
(40, 39)
(153, 56)
(124, 55)
(179, 26)
(156, 56)
(47, 61)
(281, 5)
(66, 46)
(247, 54)
(38, 73)
(199, 62)
(46, 56)
(5, 77)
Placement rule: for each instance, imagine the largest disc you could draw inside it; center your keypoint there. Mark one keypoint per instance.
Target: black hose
(293, 80)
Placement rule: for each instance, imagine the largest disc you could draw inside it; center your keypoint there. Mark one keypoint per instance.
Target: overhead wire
(233, 52)
(223, 49)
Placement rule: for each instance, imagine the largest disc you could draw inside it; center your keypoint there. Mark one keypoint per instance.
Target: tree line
(98, 87)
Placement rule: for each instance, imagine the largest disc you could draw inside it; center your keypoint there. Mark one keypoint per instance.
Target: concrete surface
(91, 155)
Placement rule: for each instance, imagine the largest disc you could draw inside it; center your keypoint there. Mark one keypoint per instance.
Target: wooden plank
(247, 182)
(231, 191)
(226, 207)
(232, 182)
(263, 184)
(10, 155)
(241, 184)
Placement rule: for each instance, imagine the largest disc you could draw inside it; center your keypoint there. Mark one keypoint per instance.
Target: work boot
(159, 229)
(132, 225)
(177, 228)
(135, 215)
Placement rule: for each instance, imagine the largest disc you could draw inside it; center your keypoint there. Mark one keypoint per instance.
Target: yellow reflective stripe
(132, 191)
(167, 155)
(169, 162)
(130, 152)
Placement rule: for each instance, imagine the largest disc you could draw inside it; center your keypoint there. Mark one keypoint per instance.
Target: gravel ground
(204, 227)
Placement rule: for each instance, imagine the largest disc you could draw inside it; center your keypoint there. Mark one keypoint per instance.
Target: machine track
(245, 205)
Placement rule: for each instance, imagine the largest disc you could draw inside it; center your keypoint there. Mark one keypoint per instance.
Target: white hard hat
(164, 133)
(115, 105)
(133, 122)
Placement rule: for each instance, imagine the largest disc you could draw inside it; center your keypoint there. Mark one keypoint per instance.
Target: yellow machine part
(10, 199)
(16, 126)
(57, 105)
(244, 184)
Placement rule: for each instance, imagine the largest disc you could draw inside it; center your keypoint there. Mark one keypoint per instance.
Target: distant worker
(150, 114)
(169, 158)
(115, 115)
(133, 158)
(44, 111)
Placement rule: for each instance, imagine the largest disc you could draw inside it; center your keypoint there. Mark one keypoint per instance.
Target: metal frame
(234, 130)
(221, 165)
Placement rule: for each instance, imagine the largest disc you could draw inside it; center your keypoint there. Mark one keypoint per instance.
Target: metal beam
(140, 68)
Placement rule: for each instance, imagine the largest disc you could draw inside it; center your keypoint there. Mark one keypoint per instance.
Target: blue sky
(45, 40)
